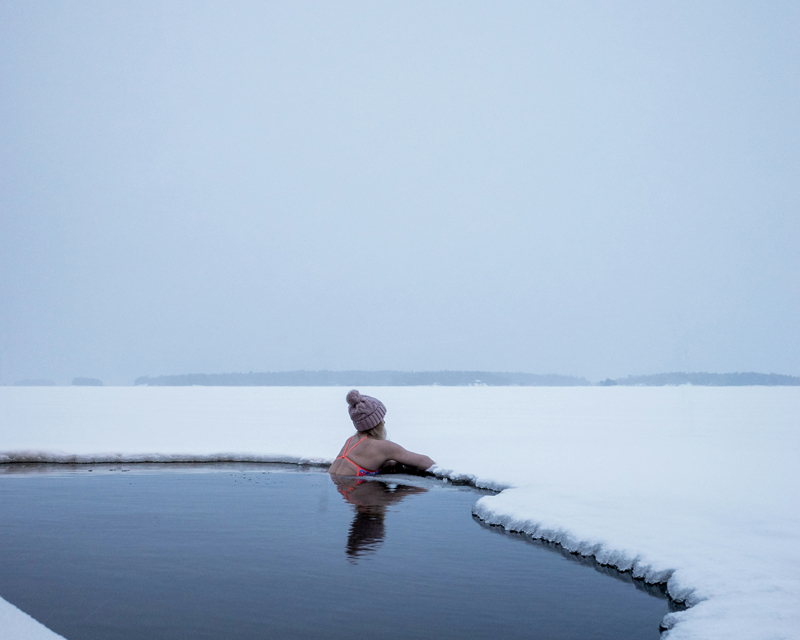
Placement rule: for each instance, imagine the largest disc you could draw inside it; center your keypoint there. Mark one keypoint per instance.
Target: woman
(368, 450)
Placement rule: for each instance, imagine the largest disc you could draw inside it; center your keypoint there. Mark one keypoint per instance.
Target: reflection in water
(369, 499)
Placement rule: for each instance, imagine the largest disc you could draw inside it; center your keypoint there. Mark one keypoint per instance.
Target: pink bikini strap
(348, 448)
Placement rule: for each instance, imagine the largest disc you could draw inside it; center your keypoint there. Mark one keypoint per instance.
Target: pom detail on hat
(353, 398)
(366, 412)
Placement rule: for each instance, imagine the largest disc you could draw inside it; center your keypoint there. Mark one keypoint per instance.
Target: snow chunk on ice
(18, 625)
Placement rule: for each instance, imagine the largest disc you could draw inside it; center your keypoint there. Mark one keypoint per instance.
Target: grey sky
(596, 189)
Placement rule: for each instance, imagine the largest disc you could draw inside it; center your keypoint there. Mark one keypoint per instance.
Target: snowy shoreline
(693, 486)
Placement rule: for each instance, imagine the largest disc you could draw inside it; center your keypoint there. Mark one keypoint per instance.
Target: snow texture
(17, 625)
(695, 486)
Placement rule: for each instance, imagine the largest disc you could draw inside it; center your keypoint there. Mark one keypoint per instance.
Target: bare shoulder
(388, 448)
(393, 451)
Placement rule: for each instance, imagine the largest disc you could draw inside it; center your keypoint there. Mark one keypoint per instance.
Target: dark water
(263, 551)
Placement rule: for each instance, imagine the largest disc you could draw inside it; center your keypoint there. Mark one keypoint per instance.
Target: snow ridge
(48, 457)
(621, 560)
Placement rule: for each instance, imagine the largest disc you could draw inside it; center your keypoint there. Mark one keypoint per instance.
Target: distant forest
(706, 380)
(364, 378)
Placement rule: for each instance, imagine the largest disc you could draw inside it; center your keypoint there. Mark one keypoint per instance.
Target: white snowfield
(696, 486)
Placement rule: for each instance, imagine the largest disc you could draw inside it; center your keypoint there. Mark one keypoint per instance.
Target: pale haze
(587, 189)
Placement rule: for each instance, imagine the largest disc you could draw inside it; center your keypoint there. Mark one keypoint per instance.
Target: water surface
(257, 551)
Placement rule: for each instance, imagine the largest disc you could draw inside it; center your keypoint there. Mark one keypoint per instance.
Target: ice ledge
(18, 625)
(637, 566)
(125, 458)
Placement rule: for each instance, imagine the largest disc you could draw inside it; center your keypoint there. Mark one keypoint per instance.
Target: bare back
(370, 454)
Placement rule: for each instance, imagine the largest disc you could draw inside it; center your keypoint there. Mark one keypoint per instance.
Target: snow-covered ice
(18, 625)
(699, 486)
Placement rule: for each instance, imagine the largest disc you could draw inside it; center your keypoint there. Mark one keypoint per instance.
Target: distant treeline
(364, 378)
(78, 382)
(87, 382)
(706, 380)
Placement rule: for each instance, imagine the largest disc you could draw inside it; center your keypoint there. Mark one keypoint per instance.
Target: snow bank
(17, 625)
(698, 486)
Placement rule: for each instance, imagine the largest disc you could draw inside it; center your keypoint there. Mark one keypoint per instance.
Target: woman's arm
(394, 451)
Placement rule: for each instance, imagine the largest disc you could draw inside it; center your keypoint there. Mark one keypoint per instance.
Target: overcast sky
(597, 189)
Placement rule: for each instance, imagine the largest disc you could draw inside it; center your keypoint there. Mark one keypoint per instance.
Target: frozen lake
(253, 551)
(698, 487)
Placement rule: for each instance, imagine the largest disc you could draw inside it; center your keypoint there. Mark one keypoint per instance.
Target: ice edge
(637, 566)
(123, 458)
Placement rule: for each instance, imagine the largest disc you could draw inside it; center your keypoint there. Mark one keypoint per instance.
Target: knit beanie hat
(366, 412)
